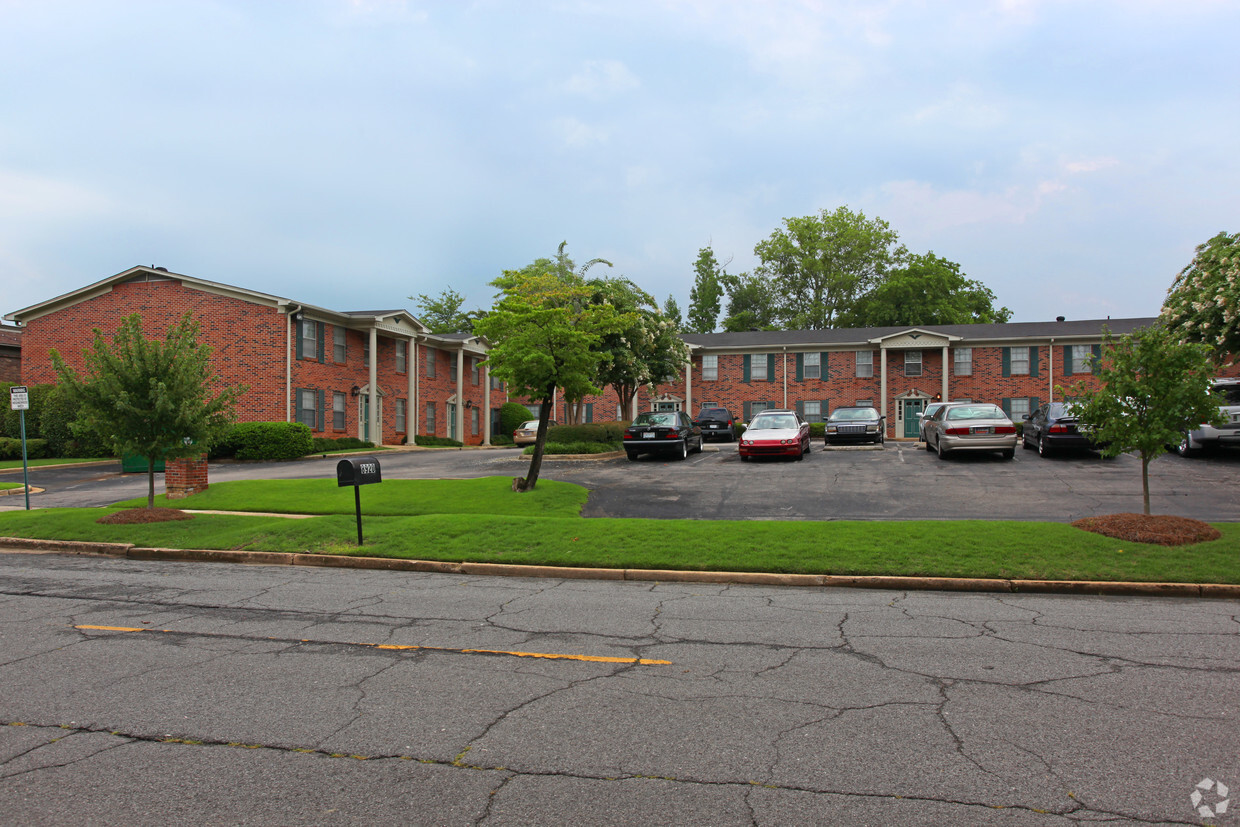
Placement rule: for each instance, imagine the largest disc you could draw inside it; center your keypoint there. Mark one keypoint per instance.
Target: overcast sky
(353, 153)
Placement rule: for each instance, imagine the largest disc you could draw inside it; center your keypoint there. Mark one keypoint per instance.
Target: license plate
(649, 435)
(716, 426)
(981, 430)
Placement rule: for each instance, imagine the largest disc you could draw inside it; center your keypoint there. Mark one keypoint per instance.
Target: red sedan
(775, 434)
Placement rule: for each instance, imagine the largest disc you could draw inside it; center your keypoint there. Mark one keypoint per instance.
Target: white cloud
(25, 196)
(1092, 165)
(920, 204)
(576, 133)
(964, 106)
(602, 77)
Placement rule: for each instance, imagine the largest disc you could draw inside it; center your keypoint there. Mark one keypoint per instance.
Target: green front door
(451, 420)
(366, 417)
(912, 424)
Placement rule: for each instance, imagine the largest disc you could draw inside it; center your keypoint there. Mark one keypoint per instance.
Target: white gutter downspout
(1051, 371)
(785, 377)
(372, 416)
(288, 361)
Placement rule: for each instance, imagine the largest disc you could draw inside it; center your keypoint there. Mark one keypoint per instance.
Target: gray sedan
(971, 426)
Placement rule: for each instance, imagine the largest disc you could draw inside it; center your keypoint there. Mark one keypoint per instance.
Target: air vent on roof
(1059, 318)
(160, 269)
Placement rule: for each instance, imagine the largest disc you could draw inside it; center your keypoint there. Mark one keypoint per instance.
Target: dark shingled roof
(967, 333)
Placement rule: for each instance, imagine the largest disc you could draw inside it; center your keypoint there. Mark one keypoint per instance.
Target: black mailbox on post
(357, 471)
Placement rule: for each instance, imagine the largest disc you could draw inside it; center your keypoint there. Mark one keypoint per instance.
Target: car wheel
(701, 442)
(941, 450)
(800, 452)
(809, 443)
(684, 449)
(1185, 448)
(744, 458)
(1010, 453)
(929, 447)
(632, 455)
(1043, 449)
(1024, 439)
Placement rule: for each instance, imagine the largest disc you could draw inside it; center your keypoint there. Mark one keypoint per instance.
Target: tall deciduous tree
(159, 400)
(644, 349)
(1203, 303)
(1153, 385)
(926, 290)
(751, 303)
(706, 296)
(822, 264)
(671, 311)
(544, 333)
(443, 313)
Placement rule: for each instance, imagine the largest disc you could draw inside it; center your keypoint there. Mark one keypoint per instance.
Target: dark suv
(716, 423)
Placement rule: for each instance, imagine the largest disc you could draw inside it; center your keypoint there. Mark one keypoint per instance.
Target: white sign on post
(19, 398)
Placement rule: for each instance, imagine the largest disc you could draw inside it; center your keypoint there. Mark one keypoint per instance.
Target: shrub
(12, 448)
(817, 430)
(604, 432)
(511, 415)
(266, 440)
(501, 439)
(575, 448)
(344, 443)
(436, 441)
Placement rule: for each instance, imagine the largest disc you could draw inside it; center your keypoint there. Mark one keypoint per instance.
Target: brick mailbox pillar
(185, 476)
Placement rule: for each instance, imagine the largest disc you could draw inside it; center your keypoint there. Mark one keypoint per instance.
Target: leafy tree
(1203, 304)
(141, 396)
(927, 290)
(751, 303)
(644, 349)
(671, 311)
(443, 314)
(1153, 387)
(706, 296)
(822, 264)
(544, 332)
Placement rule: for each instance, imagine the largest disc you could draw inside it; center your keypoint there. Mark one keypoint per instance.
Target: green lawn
(481, 520)
(7, 485)
(35, 463)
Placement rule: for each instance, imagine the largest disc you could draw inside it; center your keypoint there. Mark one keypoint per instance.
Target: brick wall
(185, 476)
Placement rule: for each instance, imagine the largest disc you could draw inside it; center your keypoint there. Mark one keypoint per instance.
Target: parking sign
(19, 398)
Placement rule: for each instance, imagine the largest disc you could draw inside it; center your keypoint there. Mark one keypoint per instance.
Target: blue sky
(350, 154)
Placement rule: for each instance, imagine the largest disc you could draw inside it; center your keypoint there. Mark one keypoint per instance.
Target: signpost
(19, 400)
(357, 471)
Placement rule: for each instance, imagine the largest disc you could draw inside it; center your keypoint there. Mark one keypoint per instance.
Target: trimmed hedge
(12, 448)
(266, 440)
(608, 433)
(818, 430)
(511, 415)
(501, 439)
(436, 441)
(322, 444)
(575, 448)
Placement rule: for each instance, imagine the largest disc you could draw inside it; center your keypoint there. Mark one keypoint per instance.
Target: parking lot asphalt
(899, 481)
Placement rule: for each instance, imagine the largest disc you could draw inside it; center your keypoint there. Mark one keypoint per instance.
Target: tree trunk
(540, 441)
(625, 393)
(150, 482)
(1145, 481)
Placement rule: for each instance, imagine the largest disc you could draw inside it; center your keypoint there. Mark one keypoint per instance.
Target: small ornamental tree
(1203, 303)
(150, 398)
(1153, 388)
(543, 334)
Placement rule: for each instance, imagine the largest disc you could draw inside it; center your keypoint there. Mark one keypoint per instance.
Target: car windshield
(1230, 393)
(532, 425)
(773, 421)
(853, 414)
(1058, 410)
(714, 413)
(975, 412)
(664, 419)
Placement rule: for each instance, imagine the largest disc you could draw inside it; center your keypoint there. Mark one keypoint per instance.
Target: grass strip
(482, 495)
(967, 548)
(7, 464)
(4, 486)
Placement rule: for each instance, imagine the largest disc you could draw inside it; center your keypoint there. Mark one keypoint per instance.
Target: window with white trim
(865, 364)
(811, 411)
(475, 420)
(1082, 359)
(366, 351)
(662, 407)
(475, 375)
(710, 367)
(811, 367)
(757, 368)
(757, 407)
(962, 361)
(400, 356)
(430, 418)
(430, 362)
(864, 403)
(309, 339)
(338, 349)
(307, 407)
(1018, 408)
(912, 363)
(400, 416)
(1020, 361)
(339, 400)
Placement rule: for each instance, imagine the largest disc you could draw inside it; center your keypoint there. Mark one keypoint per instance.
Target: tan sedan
(971, 426)
(527, 434)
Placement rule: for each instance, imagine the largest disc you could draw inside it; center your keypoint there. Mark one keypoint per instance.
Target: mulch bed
(132, 516)
(1161, 529)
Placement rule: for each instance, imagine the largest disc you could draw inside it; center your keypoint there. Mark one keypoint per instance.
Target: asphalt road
(900, 481)
(257, 695)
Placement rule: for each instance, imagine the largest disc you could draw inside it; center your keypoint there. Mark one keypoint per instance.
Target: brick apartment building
(896, 369)
(343, 373)
(10, 354)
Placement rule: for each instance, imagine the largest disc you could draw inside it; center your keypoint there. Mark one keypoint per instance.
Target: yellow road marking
(547, 655)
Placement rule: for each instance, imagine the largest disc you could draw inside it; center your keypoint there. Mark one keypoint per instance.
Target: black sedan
(854, 424)
(662, 432)
(1053, 427)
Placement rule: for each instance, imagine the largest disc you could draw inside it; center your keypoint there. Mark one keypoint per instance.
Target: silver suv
(1207, 436)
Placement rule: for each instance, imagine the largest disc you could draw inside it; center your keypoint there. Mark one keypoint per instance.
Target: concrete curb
(1225, 591)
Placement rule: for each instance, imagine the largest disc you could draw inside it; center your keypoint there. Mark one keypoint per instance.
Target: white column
(945, 366)
(882, 383)
(460, 394)
(486, 404)
(411, 390)
(376, 435)
(689, 386)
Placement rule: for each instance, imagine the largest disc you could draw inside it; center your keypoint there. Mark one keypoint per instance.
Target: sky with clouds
(354, 153)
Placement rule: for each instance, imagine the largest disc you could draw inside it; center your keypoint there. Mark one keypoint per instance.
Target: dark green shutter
(322, 423)
(1097, 357)
(1007, 406)
(823, 373)
(298, 329)
(1034, 404)
(1067, 360)
(826, 409)
(748, 406)
(800, 367)
(319, 330)
(801, 409)
(1007, 361)
(745, 372)
(1033, 361)
(589, 412)
(770, 367)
